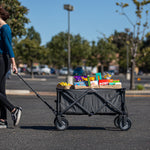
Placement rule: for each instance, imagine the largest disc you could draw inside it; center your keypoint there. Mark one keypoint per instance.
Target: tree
(58, 49)
(92, 58)
(80, 49)
(143, 60)
(28, 51)
(105, 52)
(122, 41)
(17, 18)
(33, 35)
(137, 37)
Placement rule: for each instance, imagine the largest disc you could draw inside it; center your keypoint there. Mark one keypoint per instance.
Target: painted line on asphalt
(137, 95)
(27, 93)
(44, 93)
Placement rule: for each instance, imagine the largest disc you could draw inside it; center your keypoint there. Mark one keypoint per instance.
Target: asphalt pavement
(37, 131)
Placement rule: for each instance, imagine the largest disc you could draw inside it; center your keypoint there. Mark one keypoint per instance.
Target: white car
(44, 69)
(35, 70)
(64, 71)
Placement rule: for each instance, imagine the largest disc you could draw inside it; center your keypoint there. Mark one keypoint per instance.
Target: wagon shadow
(70, 128)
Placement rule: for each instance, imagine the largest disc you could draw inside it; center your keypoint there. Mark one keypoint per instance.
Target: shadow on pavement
(70, 128)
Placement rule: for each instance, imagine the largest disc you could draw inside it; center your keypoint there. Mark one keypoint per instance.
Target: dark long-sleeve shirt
(6, 41)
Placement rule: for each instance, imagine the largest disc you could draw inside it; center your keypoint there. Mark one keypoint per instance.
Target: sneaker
(3, 124)
(16, 115)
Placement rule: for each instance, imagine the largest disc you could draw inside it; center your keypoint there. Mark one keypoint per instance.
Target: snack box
(118, 83)
(94, 83)
(82, 83)
(112, 83)
(103, 82)
(110, 80)
(115, 81)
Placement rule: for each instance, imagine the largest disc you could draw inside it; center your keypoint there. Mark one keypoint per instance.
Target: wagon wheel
(116, 122)
(125, 125)
(61, 124)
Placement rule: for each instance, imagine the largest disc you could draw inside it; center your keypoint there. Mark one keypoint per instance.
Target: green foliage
(106, 51)
(123, 42)
(57, 48)
(80, 49)
(17, 18)
(137, 30)
(28, 51)
(103, 52)
(144, 59)
(33, 35)
(139, 87)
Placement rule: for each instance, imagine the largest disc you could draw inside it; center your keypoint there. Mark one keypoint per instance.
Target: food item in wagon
(118, 83)
(94, 83)
(89, 80)
(64, 84)
(110, 80)
(82, 83)
(107, 76)
(92, 78)
(80, 78)
(111, 83)
(103, 82)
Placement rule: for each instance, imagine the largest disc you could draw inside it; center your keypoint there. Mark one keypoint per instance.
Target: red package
(103, 82)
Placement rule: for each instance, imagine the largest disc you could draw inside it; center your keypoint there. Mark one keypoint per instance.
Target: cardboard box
(94, 83)
(82, 83)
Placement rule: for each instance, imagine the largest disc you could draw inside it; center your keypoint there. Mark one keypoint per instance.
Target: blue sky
(90, 18)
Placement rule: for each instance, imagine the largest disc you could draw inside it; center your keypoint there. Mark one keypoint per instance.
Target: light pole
(127, 38)
(69, 8)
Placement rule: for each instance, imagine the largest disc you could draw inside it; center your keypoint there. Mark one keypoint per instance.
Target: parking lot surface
(37, 131)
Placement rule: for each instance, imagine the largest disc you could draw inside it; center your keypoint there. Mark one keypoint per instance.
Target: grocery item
(89, 80)
(64, 85)
(98, 76)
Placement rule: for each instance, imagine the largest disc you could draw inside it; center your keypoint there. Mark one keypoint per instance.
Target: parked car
(140, 72)
(64, 71)
(79, 72)
(22, 69)
(35, 70)
(52, 71)
(44, 69)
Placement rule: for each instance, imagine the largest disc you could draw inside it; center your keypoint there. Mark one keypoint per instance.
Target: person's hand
(14, 68)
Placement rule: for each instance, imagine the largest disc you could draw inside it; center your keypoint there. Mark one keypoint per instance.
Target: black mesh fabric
(95, 101)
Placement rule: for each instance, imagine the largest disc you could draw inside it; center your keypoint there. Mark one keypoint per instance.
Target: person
(7, 59)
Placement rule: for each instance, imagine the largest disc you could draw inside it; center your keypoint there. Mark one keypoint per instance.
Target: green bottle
(88, 80)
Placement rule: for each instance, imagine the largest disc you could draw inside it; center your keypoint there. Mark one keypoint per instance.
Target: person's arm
(7, 39)
(7, 42)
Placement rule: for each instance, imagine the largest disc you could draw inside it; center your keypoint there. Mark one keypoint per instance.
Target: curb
(17, 92)
(27, 92)
(35, 79)
(138, 92)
